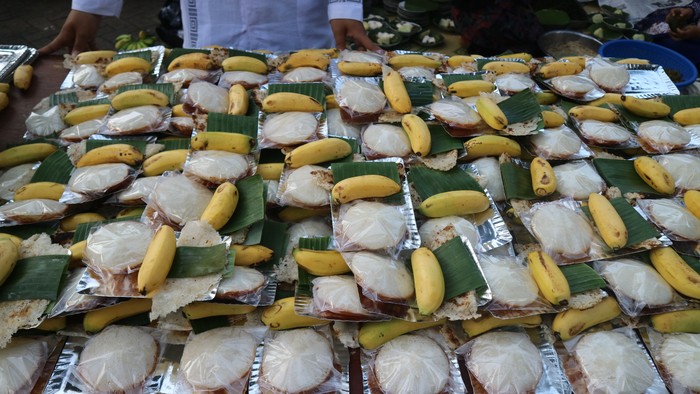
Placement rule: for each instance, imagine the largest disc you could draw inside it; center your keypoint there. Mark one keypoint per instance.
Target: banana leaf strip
(315, 243)
(176, 143)
(441, 141)
(460, 270)
(193, 261)
(521, 107)
(233, 124)
(35, 278)
(251, 205)
(678, 103)
(55, 168)
(582, 278)
(621, 174)
(517, 182)
(274, 236)
(63, 98)
(145, 55)
(429, 182)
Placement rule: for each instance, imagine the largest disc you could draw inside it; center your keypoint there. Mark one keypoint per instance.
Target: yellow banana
(139, 97)
(219, 140)
(15, 239)
(691, 199)
(632, 60)
(88, 112)
(321, 262)
(77, 250)
(237, 100)
(288, 101)
(93, 57)
(552, 119)
(53, 324)
(572, 322)
(654, 175)
(221, 206)
(395, 92)
(580, 60)
(244, 63)
(4, 100)
(363, 186)
(130, 212)
(427, 280)
(646, 108)
(200, 310)
(549, 278)
(491, 113)
(305, 59)
(331, 102)
(374, 334)
(470, 88)
(487, 323)
(546, 97)
(319, 151)
(678, 321)
(505, 67)
(4, 87)
(608, 98)
(521, 55)
(608, 221)
(281, 316)
(457, 202)
(458, 60)
(178, 111)
(558, 69)
(544, 182)
(418, 134)
(114, 153)
(295, 214)
(586, 112)
(491, 145)
(360, 69)
(687, 117)
(128, 64)
(157, 261)
(676, 271)
(270, 171)
(9, 254)
(22, 77)
(72, 222)
(46, 190)
(169, 160)
(197, 60)
(27, 153)
(330, 52)
(247, 255)
(96, 320)
(413, 60)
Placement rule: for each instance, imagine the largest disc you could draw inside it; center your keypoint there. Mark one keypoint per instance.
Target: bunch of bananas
(126, 42)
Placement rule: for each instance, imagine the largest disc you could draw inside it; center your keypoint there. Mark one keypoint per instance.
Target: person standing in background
(676, 28)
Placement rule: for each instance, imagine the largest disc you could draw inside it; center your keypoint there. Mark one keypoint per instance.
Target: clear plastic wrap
(122, 79)
(205, 97)
(214, 167)
(661, 136)
(381, 140)
(87, 76)
(71, 302)
(338, 128)
(578, 179)
(176, 200)
(435, 232)
(675, 356)
(366, 225)
(674, 220)
(181, 126)
(304, 74)
(137, 120)
(248, 79)
(94, 182)
(137, 192)
(21, 363)
(559, 143)
(456, 114)
(489, 168)
(247, 285)
(611, 77)
(44, 124)
(360, 99)
(417, 74)
(512, 83)
(81, 131)
(31, 211)
(184, 76)
(304, 187)
(14, 178)
(382, 278)
(604, 134)
(337, 297)
(287, 129)
(683, 167)
(576, 87)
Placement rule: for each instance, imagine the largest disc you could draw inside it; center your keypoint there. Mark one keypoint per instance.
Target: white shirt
(276, 25)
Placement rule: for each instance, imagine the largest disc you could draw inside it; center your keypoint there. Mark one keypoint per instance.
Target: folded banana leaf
(35, 278)
(582, 278)
(441, 141)
(192, 261)
(517, 182)
(55, 168)
(460, 270)
(233, 124)
(251, 205)
(428, 182)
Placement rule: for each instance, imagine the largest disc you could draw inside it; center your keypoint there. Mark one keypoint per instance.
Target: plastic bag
(304, 187)
(611, 77)
(674, 355)
(249, 286)
(87, 76)
(94, 182)
(138, 191)
(338, 128)
(22, 362)
(660, 136)
(14, 178)
(31, 211)
(559, 143)
(176, 200)
(117, 248)
(288, 129)
(337, 297)
(122, 79)
(683, 167)
(81, 131)
(71, 302)
(214, 167)
(385, 140)
(137, 120)
(366, 225)
(360, 99)
(675, 220)
(205, 97)
(45, 124)
(248, 79)
(578, 179)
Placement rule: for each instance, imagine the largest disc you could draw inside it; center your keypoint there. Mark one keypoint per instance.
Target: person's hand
(77, 34)
(681, 14)
(690, 32)
(350, 28)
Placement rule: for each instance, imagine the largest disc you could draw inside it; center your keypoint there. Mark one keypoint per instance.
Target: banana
(491, 145)
(96, 320)
(270, 171)
(580, 60)
(608, 98)
(88, 112)
(128, 64)
(9, 254)
(219, 140)
(4, 100)
(93, 57)
(114, 153)
(395, 91)
(691, 199)
(558, 69)
(139, 97)
(645, 108)
(586, 112)
(505, 67)
(244, 63)
(15, 239)
(169, 160)
(360, 69)
(4, 87)
(46, 190)
(27, 153)
(363, 186)
(491, 113)
(676, 271)
(77, 250)
(72, 222)
(632, 60)
(470, 88)
(552, 119)
(221, 206)
(427, 280)
(487, 323)
(546, 97)
(654, 175)
(418, 134)
(53, 324)
(686, 117)
(281, 316)
(295, 214)
(200, 310)
(305, 59)
(321, 262)
(237, 100)
(22, 77)
(198, 60)
(549, 278)
(608, 221)
(413, 60)
(157, 261)
(130, 212)
(330, 52)
(319, 151)
(178, 111)
(521, 55)
(374, 334)
(678, 321)
(288, 101)
(247, 255)
(572, 322)
(544, 182)
(331, 102)
(458, 60)
(457, 202)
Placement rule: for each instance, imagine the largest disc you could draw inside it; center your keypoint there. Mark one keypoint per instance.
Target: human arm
(689, 32)
(346, 22)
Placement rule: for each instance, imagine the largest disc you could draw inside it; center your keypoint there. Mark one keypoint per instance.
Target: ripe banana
(281, 316)
(77, 250)
(128, 64)
(505, 67)
(491, 113)
(654, 175)
(4, 87)
(374, 334)
(360, 69)
(549, 278)
(363, 186)
(72, 222)
(552, 119)
(331, 102)
(558, 69)
(521, 55)
(330, 52)
(608, 98)
(418, 134)
(178, 111)
(219, 140)
(270, 171)
(572, 322)
(47, 190)
(130, 212)
(197, 60)
(237, 100)
(114, 153)
(413, 60)
(546, 97)
(676, 271)
(295, 214)
(200, 310)
(395, 92)
(157, 261)
(487, 323)
(586, 112)
(139, 97)
(691, 199)
(319, 151)
(457, 202)
(458, 60)
(15, 239)
(169, 160)
(608, 221)
(471, 88)
(4, 100)
(88, 112)
(305, 59)
(632, 60)
(221, 206)
(491, 145)
(53, 324)
(544, 182)
(678, 321)
(646, 108)
(22, 77)
(9, 254)
(321, 262)
(427, 280)
(96, 320)
(244, 63)
(288, 101)
(687, 117)
(93, 57)
(26, 154)
(247, 255)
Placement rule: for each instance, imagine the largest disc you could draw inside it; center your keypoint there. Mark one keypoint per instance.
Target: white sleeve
(99, 7)
(345, 9)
